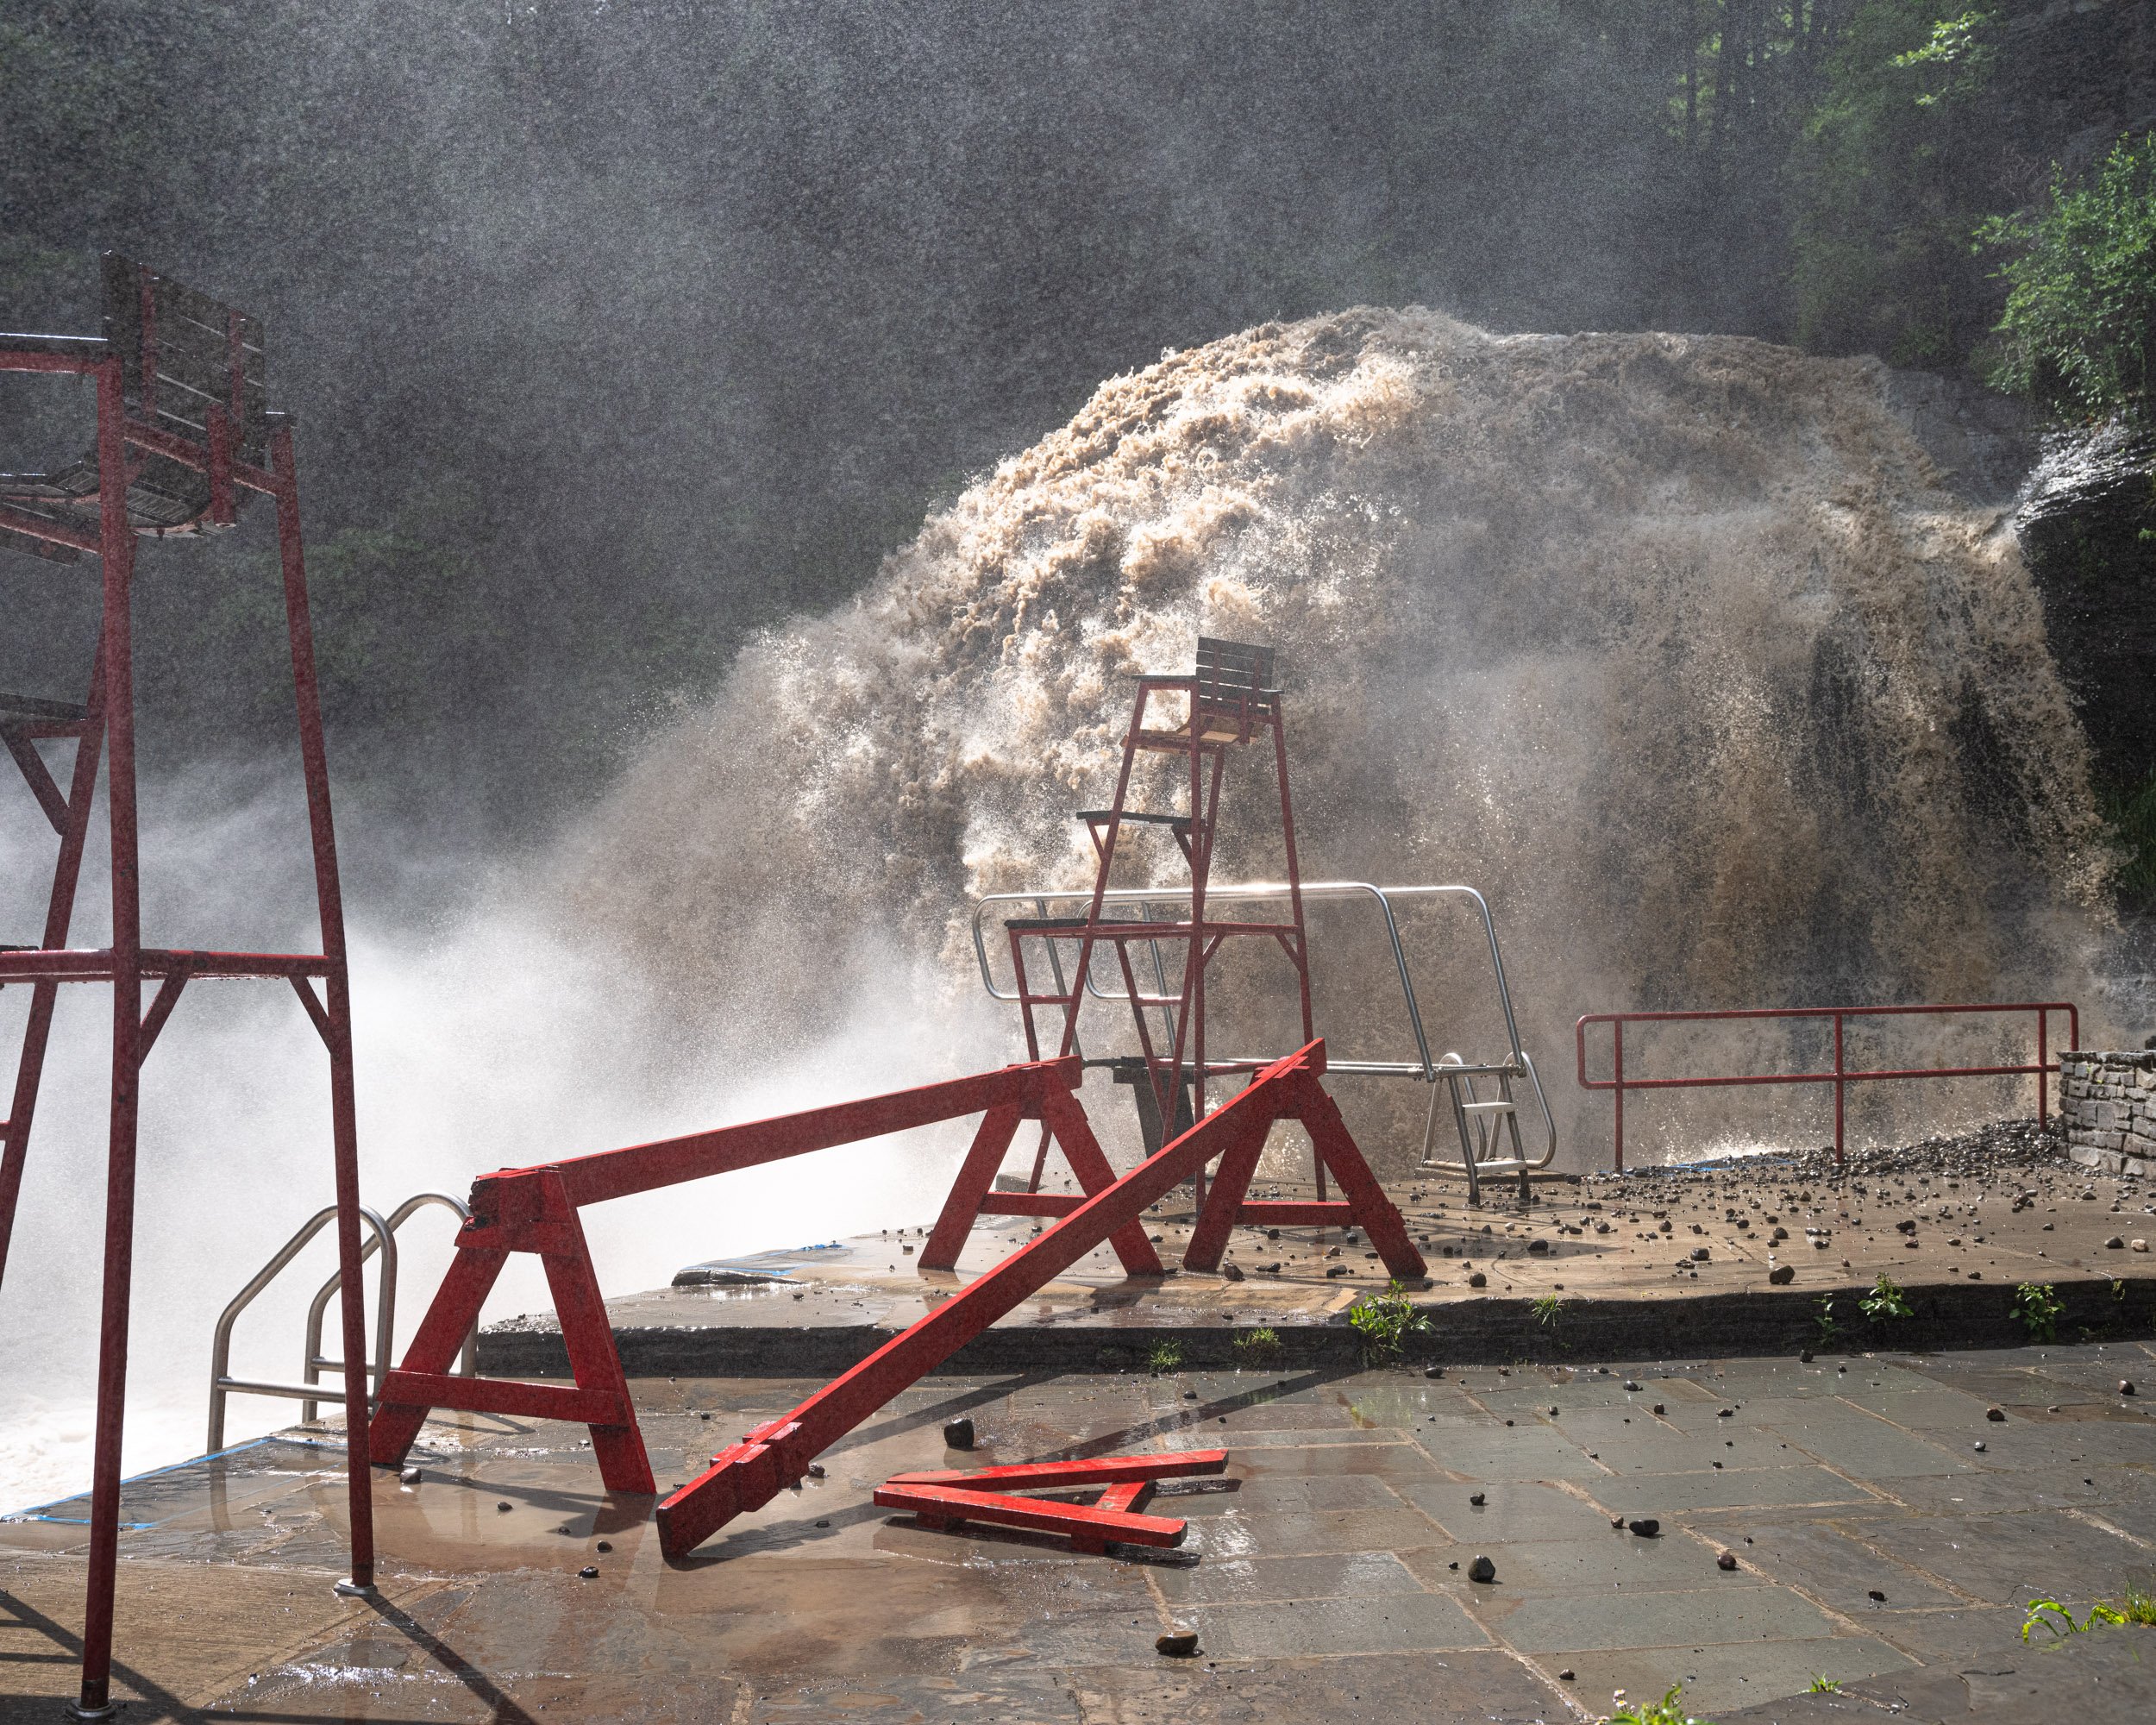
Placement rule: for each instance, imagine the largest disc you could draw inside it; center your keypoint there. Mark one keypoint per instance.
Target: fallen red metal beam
(749, 1474)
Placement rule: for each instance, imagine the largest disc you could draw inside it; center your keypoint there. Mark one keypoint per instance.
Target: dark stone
(958, 1434)
(1482, 1570)
(1726, 1560)
(409, 1476)
(1478, 1498)
(589, 1572)
(1782, 1275)
(1178, 1643)
(1646, 1526)
(1995, 1415)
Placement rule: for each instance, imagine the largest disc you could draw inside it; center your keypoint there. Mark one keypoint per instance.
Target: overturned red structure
(944, 1497)
(536, 1210)
(184, 436)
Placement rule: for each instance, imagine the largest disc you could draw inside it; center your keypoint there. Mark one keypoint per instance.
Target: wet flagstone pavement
(1876, 1544)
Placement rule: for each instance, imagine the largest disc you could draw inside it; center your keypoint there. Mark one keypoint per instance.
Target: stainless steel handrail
(316, 1364)
(384, 1236)
(1450, 1068)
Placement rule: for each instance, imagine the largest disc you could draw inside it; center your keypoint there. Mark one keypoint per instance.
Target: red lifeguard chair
(185, 438)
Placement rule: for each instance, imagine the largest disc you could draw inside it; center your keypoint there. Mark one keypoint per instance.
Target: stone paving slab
(1327, 1572)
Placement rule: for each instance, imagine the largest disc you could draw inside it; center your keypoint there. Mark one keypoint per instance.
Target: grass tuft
(2038, 1306)
(1384, 1321)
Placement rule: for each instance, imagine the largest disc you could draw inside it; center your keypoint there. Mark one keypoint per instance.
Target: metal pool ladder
(382, 1235)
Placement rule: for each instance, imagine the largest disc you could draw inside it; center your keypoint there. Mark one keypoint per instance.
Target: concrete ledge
(1947, 1315)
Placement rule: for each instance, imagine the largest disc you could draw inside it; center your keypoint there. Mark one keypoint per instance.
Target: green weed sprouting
(1547, 1309)
(1165, 1357)
(2038, 1306)
(1663, 1712)
(2139, 1607)
(1885, 1301)
(1384, 1321)
(1823, 1320)
(1259, 1344)
(2060, 1620)
(1823, 1684)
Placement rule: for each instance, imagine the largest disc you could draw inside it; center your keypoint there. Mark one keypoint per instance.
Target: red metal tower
(184, 438)
(1228, 703)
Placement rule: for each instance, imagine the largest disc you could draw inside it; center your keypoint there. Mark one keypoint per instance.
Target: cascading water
(1675, 645)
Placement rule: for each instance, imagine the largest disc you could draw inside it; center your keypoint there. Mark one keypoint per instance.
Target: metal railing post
(2043, 1069)
(1840, 1088)
(1617, 1046)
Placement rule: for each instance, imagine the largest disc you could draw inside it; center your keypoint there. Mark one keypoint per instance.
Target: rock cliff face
(2087, 519)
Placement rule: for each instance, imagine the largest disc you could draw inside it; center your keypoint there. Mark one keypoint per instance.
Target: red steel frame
(108, 717)
(1842, 1076)
(1220, 716)
(536, 1210)
(943, 1498)
(776, 1454)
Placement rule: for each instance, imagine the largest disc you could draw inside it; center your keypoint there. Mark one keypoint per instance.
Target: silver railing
(1449, 1069)
(382, 1236)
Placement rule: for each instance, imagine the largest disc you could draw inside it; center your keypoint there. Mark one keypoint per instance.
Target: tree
(2080, 317)
(1893, 173)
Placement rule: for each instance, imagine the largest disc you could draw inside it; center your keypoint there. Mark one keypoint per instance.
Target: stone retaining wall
(2107, 1103)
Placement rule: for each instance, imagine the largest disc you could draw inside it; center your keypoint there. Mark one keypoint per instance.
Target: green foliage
(1259, 1343)
(1166, 1357)
(1547, 1309)
(2060, 1620)
(1889, 183)
(1663, 1712)
(1384, 1321)
(2038, 1306)
(1823, 1684)
(1824, 1321)
(2080, 323)
(1885, 1301)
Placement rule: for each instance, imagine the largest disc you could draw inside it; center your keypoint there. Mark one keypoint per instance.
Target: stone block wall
(2107, 1102)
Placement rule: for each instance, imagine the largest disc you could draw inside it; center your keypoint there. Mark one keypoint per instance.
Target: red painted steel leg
(116, 552)
(1320, 1116)
(45, 993)
(435, 1347)
(1066, 1116)
(975, 1176)
(751, 1473)
(1231, 1183)
(589, 1339)
(343, 1105)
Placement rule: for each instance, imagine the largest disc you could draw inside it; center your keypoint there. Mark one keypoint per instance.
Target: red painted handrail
(1842, 1076)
